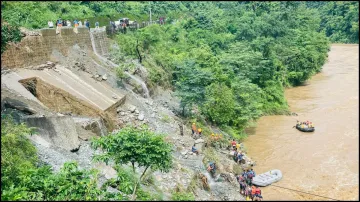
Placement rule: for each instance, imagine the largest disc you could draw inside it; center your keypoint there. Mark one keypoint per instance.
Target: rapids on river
(325, 162)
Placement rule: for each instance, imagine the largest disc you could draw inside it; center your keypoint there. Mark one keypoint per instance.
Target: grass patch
(165, 118)
(179, 194)
(210, 155)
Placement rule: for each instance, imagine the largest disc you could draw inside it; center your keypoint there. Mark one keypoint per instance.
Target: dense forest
(229, 60)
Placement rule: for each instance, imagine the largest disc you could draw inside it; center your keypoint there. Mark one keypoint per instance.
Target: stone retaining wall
(35, 50)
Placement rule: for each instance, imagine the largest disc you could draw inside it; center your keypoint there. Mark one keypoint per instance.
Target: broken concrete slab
(58, 131)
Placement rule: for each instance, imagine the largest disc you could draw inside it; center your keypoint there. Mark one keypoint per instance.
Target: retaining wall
(35, 50)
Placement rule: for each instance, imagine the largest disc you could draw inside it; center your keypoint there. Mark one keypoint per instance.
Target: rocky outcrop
(59, 131)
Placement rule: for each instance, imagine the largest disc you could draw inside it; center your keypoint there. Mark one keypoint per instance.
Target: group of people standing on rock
(238, 155)
(247, 189)
(244, 179)
(67, 23)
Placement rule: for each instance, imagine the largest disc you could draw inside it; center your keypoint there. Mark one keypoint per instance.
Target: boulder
(59, 131)
(199, 141)
(200, 146)
(132, 109)
(104, 77)
(141, 117)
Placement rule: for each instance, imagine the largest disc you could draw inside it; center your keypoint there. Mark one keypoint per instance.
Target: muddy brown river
(325, 162)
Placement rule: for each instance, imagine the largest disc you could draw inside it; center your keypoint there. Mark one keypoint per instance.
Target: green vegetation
(339, 20)
(9, 33)
(183, 196)
(179, 194)
(232, 60)
(132, 145)
(24, 178)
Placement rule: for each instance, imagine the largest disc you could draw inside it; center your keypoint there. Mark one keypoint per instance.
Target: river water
(325, 162)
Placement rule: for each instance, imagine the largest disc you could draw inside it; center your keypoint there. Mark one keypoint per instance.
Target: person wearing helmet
(199, 131)
(212, 168)
(193, 128)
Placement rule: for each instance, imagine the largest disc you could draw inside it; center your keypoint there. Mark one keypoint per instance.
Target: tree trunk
(137, 50)
(144, 172)
(181, 129)
(133, 195)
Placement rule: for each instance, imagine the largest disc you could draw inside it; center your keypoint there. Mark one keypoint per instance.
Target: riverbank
(322, 162)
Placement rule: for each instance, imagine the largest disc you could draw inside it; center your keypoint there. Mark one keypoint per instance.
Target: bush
(183, 196)
(9, 33)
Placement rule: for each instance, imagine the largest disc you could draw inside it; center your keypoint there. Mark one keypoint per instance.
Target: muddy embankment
(324, 162)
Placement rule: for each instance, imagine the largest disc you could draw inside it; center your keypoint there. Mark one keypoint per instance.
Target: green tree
(190, 84)
(9, 33)
(219, 103)
(136, 146)
(17, 152)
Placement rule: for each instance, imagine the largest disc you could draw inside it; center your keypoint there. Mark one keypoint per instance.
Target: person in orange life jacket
(253, 189)
(233, 143)
(193, 128)
(199, 131)
(257, 192)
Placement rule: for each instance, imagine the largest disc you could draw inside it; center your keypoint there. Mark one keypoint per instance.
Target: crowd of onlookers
(78, 23)
(67, 23)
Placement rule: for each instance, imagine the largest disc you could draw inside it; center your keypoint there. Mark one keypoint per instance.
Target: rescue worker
(239, 157)
(250, 175)
(199, 131)
(257, 192)
(193, 128)
(235, 155)
(248, 193)
(237, 146)
(194, 150)
(212, 168)
(253, 189)
(233, 143)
